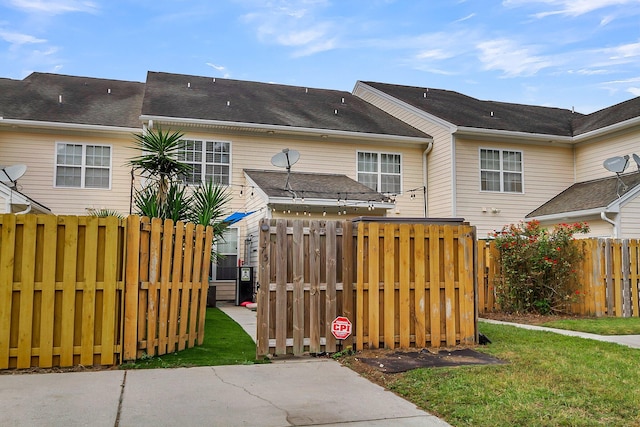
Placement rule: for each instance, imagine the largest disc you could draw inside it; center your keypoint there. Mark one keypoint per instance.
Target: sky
(581, 54)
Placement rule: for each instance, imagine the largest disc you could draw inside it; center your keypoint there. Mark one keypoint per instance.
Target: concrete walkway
(632, 341)
(294, 392)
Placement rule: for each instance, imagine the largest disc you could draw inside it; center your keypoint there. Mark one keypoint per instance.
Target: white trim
(502, 171)
(379, 172)
(497, 133)
(454, 180)
(83, 166)
(264, 128)
(68, 126)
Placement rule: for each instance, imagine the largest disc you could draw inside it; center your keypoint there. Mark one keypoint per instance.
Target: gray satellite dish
(637, 159)
(616, 164)
(11, 174)
(285, 159)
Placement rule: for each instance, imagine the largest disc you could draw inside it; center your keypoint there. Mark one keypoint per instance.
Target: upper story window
(83, 165)
(210, 161)
(501, 170)
(381, 172)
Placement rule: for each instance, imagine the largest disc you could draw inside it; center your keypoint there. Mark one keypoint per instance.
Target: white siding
(630, 219)
(547, 172)
(37, 151)
(440, 185)
(591, 155)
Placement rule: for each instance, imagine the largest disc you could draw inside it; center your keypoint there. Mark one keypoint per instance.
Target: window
(227, 248)
(83, 166)
(209, 160)
(501, 170)
(380, 171)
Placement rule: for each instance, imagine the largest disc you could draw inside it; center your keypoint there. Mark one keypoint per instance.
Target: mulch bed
(402, 361)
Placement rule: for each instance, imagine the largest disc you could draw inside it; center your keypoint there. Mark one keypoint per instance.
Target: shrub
(538, 266)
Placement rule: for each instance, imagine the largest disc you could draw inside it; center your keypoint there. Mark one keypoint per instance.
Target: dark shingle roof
(84, 100)
(193, 97)
(608, 116)
(598, 193)
(462, 110)
(313, 186)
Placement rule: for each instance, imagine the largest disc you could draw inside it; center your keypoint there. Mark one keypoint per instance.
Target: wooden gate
(312, 271)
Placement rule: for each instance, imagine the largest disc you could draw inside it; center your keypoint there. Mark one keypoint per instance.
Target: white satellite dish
(10, 174)
(616, 164)
(637, 159)
(285, 159)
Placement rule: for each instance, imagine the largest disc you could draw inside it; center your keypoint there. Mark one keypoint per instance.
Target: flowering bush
(538, 267)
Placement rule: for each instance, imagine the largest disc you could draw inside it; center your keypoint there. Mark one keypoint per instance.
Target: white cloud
(54, 7)
(217, 67)
(465, 18)
(19, 39)
(635, 91)
(569, 7)
(513, 60)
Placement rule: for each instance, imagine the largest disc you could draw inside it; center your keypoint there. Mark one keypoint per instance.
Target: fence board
(315, 296)
(388, 315)
(298, 287)
(330, 275)
(26, 256)
(434, 285)
(7, 257)
(405, 285)
(89, 292)
(419, 286)
(48, 279)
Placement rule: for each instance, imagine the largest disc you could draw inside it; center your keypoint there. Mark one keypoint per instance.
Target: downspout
(454, 185)
(425, 176)
(26, 211)
(604, 217)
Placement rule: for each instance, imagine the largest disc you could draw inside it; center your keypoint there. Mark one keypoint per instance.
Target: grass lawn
(549, 380)
(225, 343)
(600, 325)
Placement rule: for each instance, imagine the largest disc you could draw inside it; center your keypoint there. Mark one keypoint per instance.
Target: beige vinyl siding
(439, 160)
(630, 219)
(37, 151)
(547, 172)
(591, 155)
(319, 156)
(598, 228)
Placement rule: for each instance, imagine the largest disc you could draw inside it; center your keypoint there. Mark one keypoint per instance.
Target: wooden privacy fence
(400, 284)
(97, 291)
(609, 277)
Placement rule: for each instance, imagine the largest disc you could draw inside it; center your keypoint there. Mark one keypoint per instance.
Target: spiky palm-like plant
(159, 158)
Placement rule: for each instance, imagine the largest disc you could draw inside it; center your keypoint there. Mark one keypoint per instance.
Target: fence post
(130, 345)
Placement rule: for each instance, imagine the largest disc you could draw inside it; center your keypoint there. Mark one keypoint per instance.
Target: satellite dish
(285, 159)
(11, 174)
(616, 164)
(637, 159)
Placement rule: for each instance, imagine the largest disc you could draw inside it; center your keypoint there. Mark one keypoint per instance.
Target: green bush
(538, 267)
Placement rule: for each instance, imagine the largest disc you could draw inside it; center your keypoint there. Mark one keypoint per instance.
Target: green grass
(549, 380)
(600, 326)
(225, 343)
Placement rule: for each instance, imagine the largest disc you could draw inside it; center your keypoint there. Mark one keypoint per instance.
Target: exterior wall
(547, 172)
(37, 151)
(597, 227)
(439, 172)
(630, 219)
(590, 155)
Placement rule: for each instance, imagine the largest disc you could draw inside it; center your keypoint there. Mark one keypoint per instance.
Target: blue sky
(562, 53)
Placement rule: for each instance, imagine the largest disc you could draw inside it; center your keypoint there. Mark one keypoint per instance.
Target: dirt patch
(79, 368)
(402, 361)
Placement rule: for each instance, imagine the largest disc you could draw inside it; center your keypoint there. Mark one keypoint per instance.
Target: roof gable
(68, 99)
(237, 101)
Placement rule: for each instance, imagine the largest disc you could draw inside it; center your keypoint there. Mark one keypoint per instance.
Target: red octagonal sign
(341, 327)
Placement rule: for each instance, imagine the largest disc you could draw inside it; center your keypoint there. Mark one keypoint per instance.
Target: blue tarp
(236, 216)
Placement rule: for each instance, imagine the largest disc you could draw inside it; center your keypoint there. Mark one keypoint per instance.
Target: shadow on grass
(225, 343)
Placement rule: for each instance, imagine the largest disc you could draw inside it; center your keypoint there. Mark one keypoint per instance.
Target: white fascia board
(292, 130)
(572, 215)
(327, 202)
(414, 110)
(67, 126)
(496, 133)
(608, 129)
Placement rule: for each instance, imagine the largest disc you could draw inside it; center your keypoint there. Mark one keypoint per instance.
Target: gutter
(66, 126)
(496, 133)
(266, 128)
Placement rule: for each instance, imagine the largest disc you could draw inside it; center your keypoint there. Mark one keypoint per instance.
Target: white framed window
(381, 172)
(209, 160)
(501, 171)
(83, 165)
(226, 266)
